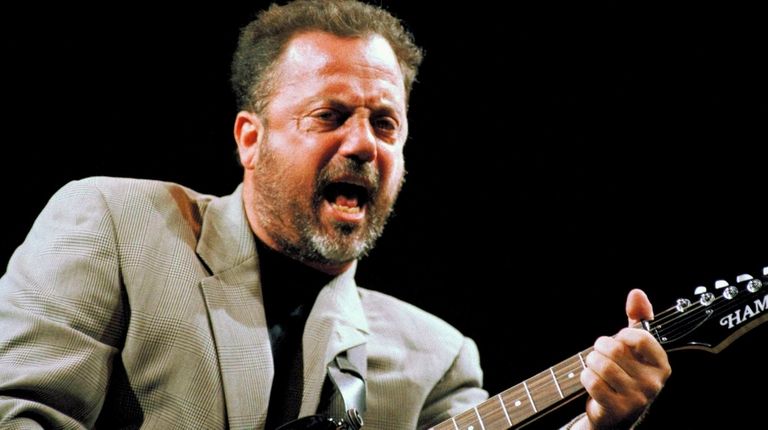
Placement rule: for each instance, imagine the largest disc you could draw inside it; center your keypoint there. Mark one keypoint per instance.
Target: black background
(559, 156)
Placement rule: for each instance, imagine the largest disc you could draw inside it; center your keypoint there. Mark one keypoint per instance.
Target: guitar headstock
(712, 318)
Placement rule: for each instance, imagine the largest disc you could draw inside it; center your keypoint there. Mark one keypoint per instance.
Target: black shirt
(289, 289)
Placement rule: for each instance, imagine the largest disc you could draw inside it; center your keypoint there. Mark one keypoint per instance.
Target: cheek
(299, 178)
(392, 169)
(297, 168)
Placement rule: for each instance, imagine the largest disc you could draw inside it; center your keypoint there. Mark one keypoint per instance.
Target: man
(145, 304)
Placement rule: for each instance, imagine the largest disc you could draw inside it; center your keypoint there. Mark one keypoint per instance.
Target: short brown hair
(264, 39)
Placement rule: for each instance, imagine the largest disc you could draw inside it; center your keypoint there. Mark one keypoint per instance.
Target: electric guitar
(710, 320)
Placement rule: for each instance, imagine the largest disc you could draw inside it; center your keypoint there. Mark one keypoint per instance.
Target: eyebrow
(379, 108)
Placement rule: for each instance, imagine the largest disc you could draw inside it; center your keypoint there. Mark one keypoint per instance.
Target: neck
(279, 270)
(330, 269)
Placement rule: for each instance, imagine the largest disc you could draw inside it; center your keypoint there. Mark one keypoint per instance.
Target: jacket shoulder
(410, 324)
(112, 187)
(129, 198)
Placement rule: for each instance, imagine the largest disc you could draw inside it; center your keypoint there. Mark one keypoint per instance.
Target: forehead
(319, 55)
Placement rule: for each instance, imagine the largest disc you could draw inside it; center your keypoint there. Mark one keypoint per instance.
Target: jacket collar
(226, 239)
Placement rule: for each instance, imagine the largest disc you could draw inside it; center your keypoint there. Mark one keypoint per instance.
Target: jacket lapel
(236, 311)
(335, 324)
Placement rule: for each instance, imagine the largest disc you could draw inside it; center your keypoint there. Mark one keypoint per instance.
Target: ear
(249, 132)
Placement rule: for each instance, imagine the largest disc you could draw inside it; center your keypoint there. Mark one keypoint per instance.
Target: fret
(517, 404)
(492, 415)
(568, 374)
(528, 392)
(543, 390)
(480, 419)
(446, 425)
(557, 384)
(469, 420)
(504, 408)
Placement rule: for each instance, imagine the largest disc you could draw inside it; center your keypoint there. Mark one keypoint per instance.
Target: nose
(359, 141)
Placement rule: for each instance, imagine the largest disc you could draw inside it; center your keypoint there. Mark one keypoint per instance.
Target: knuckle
(589, 379)
(596, 362)
(603, 366)
(646, 340)
(609, 347)
(654, 388)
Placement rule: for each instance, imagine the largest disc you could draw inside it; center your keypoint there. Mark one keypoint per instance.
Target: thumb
(638, 307)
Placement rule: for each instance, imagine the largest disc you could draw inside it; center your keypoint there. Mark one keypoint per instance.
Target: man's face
(321, 181)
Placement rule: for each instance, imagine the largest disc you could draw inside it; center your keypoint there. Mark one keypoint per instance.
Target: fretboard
(522, 402)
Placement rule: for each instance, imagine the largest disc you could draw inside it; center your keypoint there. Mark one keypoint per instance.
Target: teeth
(346, 209)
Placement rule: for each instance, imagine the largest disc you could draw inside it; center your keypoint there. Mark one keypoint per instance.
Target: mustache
(361, 174)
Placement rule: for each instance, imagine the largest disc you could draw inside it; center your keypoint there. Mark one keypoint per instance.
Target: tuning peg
(705, 298)
(753, 285)
(729, 290)
(683, 304)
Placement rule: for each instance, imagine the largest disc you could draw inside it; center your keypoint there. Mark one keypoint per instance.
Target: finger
(618, 352)
(595, 410)
(643, 347)
(638, 307)
(603, 402)
(608, 370)
(607, 407)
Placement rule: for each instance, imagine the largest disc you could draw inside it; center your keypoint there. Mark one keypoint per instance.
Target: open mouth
(346, 197)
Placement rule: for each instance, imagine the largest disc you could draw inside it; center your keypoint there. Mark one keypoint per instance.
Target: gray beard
(347, 242)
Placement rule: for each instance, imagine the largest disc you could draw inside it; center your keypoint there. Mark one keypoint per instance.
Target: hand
(624, 373)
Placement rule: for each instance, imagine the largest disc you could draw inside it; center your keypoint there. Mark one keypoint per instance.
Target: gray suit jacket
(137, 304)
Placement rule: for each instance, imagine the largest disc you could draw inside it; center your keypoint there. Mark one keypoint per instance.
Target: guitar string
(719, 302)
(663, 319)
(570, 365)
(667, 316)
(681, 322)
(675, 313)
(671, 316)
(678, 320)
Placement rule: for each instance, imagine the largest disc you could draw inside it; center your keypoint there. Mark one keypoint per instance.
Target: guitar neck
(525, 401)
(710, 321)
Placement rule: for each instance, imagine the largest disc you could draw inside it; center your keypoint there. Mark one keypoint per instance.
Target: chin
(338, 251)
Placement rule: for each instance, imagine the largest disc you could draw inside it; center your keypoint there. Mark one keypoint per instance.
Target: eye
(321, 120)
(328, 116)
(384, 124)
